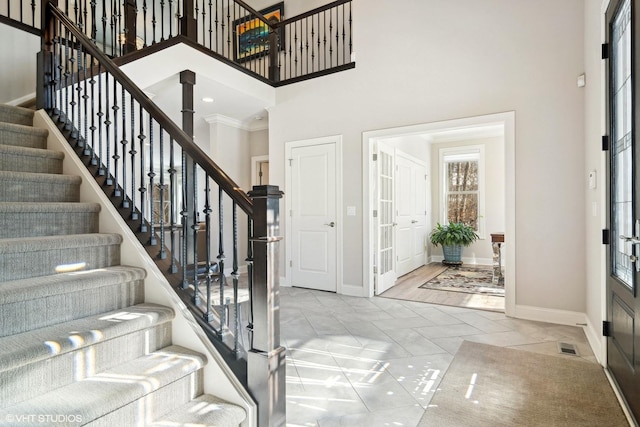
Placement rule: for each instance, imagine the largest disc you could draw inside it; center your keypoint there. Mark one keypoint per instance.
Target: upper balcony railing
(265, 44)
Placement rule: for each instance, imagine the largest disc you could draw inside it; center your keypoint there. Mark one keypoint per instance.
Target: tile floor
(378, 361)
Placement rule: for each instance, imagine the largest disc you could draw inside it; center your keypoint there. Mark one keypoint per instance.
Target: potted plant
(452, 238)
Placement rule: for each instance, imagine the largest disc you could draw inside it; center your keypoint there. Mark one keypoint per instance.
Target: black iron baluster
(170, 18)
(66, 79)
(163, 253)
(172, 205)
(195, 227)
(313, 44)
(78, 129)
(337, 37)
(217, 21)
(234, 275)
(72, 60)
(290, 51)
(112, 24)
(324, 14)
(33, 13)
(107, 122)
(344, 39)
(100, 115)
(116, 156)
(185, 214)
(92, 82)
(330, 38)
(229, 31)
(124, 142)
(306, 42)
(350, 34)
(133, 152)
(104, 26)
(295, 49)
(151, 175)
(204, 20)
(121, 36)
(161, 20)
(210, 29)
(208, 315)
(153, 21)
(85, 14)
(144, 20)
(142, 189)
(85, 99)
(94, 28)
(221, 256)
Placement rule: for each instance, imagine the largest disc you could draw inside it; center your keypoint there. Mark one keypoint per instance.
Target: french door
(623, 260)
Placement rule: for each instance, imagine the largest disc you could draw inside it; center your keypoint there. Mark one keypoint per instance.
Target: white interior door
(313, 217)
(385, 267)
(410, 214)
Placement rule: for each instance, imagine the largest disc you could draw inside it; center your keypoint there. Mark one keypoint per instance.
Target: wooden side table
(497, 239)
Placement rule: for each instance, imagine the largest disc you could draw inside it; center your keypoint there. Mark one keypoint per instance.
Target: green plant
(454, 234)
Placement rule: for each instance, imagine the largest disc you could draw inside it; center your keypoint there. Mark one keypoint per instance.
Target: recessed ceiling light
(207, 99)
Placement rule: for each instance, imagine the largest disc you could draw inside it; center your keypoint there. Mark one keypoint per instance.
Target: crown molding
(235, 123)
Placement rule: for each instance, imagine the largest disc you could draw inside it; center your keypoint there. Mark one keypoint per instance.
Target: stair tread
(38, 244)
(105, 392)
(30, 152)
(40, 344)
(13, 114)
(204, 411)
(48, 207)
(13, 291)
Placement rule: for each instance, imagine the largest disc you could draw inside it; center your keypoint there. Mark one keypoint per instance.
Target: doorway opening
(491, 138)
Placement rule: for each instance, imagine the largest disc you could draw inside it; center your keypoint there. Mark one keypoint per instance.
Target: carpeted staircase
(78, 345)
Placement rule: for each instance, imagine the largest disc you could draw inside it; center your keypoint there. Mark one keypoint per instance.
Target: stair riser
(38, 191)
(154, 405)
(21, 139)
(21, 265)
(37, 313)
(21, 163)
(30, 224)
(43, 376)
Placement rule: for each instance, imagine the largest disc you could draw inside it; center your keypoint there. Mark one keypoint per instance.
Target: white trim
(597, 342)
(219, 119)
(337, 141)
(21, 100)
(550, 315)
(352, 290)
(508, 121)
(254, 166)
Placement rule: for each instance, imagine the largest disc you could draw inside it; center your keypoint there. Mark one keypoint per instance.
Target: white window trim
(460, 151)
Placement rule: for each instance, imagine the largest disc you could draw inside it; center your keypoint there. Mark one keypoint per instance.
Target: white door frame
(289, 146)
(254, 166)
(506, 119)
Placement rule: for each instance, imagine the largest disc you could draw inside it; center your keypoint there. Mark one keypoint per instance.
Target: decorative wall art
(252, 35)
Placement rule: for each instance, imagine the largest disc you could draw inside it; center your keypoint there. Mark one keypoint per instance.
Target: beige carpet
(494, 386)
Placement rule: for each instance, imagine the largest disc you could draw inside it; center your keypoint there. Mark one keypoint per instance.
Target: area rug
(468, 279)
(494, 386)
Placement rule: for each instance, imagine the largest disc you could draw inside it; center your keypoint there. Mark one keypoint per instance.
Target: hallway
(377, 361)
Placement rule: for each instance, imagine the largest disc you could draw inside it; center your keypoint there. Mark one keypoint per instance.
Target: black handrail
(210, 167)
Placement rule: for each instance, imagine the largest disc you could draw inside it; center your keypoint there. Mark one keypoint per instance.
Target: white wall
(459, 59)
(18, 51)
(494, 197)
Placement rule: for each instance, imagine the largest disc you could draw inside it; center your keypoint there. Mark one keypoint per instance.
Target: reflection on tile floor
(377, 361)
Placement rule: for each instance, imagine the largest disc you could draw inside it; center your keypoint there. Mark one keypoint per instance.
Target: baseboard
(17, 102)
(352, 290)
(466, 260)
(550, 315)
(596, 341)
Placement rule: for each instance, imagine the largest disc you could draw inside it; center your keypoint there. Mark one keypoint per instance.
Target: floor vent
(567, 348)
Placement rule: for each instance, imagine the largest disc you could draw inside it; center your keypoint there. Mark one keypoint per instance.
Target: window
(462, 186)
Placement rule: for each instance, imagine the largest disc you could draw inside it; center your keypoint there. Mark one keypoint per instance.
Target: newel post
(46, 68)
(266, 359)
(274, 44)
(188, 23)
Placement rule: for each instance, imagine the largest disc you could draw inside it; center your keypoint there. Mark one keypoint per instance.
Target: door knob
(331, 224)
(413, 221)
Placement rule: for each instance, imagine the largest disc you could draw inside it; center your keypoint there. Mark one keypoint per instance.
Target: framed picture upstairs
(252, 35)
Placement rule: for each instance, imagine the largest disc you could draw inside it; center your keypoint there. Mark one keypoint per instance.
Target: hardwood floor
(408, 288)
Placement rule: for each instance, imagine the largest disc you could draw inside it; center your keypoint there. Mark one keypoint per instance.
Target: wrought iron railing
(182, 207)
(261, 43)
